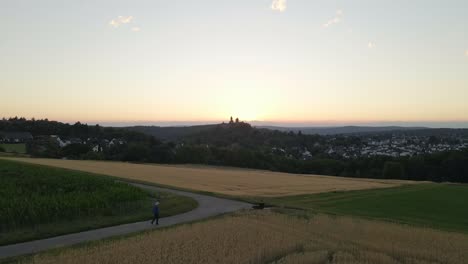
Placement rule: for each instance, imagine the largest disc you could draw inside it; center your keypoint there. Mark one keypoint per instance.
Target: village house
(15, 137)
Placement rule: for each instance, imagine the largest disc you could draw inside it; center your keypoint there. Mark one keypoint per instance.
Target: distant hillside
(341, 130)
(170, 133)
(186, 132)
(437, 132)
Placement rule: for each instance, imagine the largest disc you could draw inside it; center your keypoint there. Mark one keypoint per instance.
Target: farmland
(39, 201)
(340, 223)
(268, 237)
(431, 205)
(14, 148)
(228, 181)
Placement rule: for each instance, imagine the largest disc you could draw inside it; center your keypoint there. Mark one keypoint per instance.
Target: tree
(231, 121)
(393, 170)
(237, 120)
(136, 152)
(75, 150)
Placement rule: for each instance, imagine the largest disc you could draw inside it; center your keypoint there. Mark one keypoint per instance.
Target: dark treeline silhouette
(44, 127)
(236, 144)
(43, 145)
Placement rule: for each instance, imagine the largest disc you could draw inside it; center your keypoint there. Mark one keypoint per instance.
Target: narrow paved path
(207, 206)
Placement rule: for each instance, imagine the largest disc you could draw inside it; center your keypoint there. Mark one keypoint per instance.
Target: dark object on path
(155, 213)
(260, 206)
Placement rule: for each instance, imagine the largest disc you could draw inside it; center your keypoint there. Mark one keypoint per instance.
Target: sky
(298, 62)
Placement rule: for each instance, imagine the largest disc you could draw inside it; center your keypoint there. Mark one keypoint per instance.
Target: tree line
(240, 145)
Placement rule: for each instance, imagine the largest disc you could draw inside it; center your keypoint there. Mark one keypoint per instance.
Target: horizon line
(292, 124)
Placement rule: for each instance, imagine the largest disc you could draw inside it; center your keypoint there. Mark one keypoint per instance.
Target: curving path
(207, 206)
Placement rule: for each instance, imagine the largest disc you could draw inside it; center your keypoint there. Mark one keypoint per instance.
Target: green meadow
(13, 148)
(443, 206)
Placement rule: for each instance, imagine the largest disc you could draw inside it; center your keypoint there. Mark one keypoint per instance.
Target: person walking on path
(155, 213)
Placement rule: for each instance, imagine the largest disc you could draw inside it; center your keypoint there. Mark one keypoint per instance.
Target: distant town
(396, 145)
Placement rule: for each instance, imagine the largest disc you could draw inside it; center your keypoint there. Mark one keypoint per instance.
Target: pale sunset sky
(281, 61)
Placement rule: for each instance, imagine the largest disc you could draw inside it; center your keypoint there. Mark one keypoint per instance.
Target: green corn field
(31, 195)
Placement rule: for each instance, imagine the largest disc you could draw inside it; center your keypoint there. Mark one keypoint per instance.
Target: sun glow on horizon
(317, 62)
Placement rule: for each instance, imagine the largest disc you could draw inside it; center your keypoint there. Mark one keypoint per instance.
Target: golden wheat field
(268, 237)
(230, 181)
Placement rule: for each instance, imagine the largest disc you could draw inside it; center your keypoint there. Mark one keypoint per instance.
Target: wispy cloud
(466, 53)
(278, 5)
(371, 45)
(136, 29)
(120, 20)
(335, 20)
